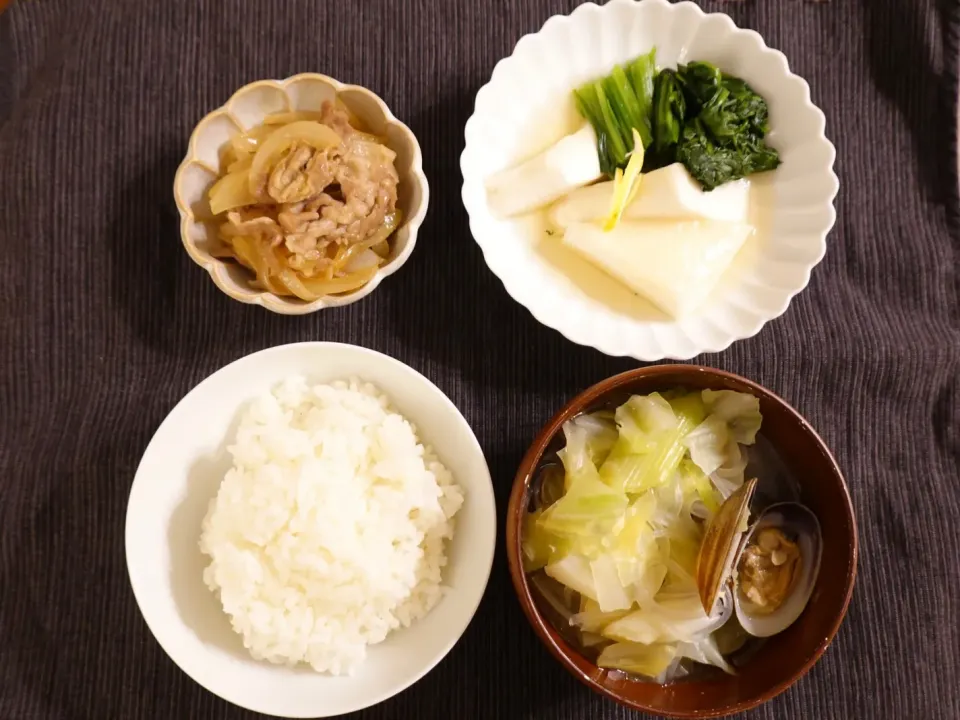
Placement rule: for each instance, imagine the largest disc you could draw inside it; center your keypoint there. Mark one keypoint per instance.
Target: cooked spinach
(670, 110)
(711, 122)
(714, 164)
(699, 81)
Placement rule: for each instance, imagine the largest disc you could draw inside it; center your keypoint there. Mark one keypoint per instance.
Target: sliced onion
(248, 142)
(243, 249)
(362, 261)
(379, 140)
(223, 252)
(240, 164)
(285, 118)
(231, 191)
(298, 115)
(289, 278)
(343, 284)
(273, 269)
(257, 256)
(227, 155)
(352, 118)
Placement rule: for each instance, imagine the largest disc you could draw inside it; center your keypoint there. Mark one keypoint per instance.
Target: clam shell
(550, 480)
(799, 523)
(721, 543)
(723, 610)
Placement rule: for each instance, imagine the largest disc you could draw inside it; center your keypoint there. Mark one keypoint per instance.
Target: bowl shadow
(155, 285)
(197, 605)
(900, 38)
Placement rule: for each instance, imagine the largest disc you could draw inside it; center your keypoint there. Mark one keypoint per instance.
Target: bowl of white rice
(310, 530)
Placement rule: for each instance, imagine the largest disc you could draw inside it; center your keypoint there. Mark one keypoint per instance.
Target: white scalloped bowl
(528, 105)
(247, 108)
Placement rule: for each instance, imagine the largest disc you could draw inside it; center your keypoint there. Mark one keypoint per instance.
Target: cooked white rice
(329, 530)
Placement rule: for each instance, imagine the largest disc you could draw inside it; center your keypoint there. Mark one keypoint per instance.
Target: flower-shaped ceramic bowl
(528, 105)
(247, 108)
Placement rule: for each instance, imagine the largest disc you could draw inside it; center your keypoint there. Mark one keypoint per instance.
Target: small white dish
(247, 108)
(180, 473)
(528, 104)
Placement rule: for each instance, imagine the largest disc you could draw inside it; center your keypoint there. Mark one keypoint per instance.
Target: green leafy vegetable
(643, 72)
(713, 123)
(669, 114)
(712, 164)
(724, 127)
(699, 82)
(616, 106)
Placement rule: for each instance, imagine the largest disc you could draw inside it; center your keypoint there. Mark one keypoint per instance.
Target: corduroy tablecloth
(105, 324)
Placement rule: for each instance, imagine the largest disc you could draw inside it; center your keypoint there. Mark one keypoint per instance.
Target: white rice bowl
(328, 532)
(181, 472)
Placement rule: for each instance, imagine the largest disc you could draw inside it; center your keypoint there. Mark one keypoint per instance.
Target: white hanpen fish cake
(328, 532)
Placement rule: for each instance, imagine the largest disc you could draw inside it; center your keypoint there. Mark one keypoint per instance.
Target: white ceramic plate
(180, 473)
(528, 105)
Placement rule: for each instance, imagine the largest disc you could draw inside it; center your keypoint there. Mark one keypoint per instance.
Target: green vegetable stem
(618, 104)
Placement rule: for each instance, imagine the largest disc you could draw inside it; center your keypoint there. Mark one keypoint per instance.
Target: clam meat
(777, 569)
(771, 565)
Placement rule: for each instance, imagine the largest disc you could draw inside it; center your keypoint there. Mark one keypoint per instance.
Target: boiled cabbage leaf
(705, 651)
(708, 444)
(539, 546)
(697, 488)
(714, 445)
(588, 511)
(741, 412)
(574, 572)
(588, 442)
(611, 592)
(651, 446)
(648, 660)
(592, 619)
(623, 529)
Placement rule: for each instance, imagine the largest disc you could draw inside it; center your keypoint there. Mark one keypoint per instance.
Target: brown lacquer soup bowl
(774, 663)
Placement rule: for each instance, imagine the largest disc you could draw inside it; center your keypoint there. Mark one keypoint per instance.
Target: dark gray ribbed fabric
(105, 324)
